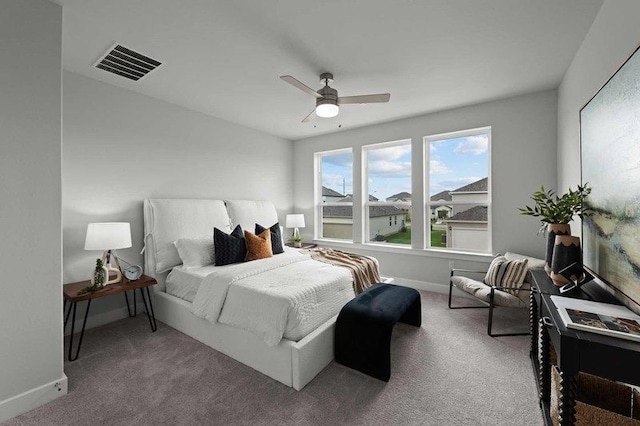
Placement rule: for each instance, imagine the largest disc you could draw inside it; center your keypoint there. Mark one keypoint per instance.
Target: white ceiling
(224, 57)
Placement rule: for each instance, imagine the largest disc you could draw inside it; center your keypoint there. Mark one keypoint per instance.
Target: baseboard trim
(33, 398)
(102, 318)
(429, 286)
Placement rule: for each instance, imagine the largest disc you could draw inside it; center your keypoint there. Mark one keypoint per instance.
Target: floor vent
(126, 63)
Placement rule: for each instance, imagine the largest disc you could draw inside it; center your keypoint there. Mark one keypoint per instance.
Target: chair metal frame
(491, 305)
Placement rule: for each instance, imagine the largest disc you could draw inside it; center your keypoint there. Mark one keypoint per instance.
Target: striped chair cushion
(509, 274)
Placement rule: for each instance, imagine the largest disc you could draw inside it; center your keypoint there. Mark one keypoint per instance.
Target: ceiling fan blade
(310, 117)
(365, 99)
(292, 81)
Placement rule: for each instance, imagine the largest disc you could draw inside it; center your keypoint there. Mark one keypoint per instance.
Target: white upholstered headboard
(166, 220)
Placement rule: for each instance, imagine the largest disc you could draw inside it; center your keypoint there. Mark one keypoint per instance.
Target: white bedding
(184, 283)
(288, 295)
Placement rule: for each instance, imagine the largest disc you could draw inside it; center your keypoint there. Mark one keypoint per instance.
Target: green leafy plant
(551, 208)
(296, 239)
(99, 278)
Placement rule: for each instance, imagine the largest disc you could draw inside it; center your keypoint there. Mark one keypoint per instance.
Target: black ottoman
(364, 326)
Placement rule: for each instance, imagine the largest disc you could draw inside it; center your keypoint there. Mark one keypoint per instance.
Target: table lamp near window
(295, 221)
(109, 237)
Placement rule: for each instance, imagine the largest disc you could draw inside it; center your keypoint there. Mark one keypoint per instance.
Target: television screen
(610, 151)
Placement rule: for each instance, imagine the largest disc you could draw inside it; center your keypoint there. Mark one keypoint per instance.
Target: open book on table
(596, 317)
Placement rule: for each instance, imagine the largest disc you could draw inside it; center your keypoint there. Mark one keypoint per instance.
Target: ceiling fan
(327, 100)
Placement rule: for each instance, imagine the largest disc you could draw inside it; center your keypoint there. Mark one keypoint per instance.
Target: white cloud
(390, 153)
(335, 182)
(437, 167)
(475, 145)
(341, 160)
(390, 168)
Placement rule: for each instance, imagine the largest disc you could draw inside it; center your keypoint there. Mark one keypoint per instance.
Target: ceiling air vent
(126, 63)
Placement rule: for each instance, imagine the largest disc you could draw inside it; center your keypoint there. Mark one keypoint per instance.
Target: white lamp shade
(295, 221)
(327, 110)
(108, 236)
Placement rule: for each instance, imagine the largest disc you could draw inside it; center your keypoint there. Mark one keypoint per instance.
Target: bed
(225, 307)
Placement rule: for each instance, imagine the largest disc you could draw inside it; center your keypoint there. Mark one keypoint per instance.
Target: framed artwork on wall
(610, 157)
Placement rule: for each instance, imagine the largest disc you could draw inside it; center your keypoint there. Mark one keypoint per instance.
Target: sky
(453, 163)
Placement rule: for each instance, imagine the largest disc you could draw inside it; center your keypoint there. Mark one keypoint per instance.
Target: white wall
(121, 147)
(30, 190)
(613, 36)
(523, 158)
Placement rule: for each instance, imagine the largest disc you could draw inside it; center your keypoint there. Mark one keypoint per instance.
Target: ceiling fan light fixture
(327, 110)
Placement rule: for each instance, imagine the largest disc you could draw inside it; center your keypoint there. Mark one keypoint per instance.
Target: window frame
(319, 204)
(366, 203)
(428, 204)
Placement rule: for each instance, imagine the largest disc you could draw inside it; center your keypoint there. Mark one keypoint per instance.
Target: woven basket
(599, 401)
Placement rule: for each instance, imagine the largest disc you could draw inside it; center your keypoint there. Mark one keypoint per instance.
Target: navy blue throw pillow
(229, 248)
(276, 237)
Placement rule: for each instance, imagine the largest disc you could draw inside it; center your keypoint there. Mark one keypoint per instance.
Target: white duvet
(288, 295)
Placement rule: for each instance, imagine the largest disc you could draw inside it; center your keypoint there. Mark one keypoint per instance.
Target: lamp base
(107, 257)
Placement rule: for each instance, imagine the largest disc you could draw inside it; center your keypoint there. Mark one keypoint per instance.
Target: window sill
(402, 249)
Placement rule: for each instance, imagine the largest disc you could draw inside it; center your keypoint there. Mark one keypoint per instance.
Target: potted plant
(555, 213)
(297, 241)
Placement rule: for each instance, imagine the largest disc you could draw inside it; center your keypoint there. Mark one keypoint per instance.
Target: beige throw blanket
(364, 269)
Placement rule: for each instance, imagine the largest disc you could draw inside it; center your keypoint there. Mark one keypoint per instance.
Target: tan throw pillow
(509, 274)
(258, 246)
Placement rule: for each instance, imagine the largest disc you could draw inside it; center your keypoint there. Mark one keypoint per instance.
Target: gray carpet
(448, 372)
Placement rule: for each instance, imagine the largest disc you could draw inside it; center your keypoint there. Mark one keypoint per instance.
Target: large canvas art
(610, 144)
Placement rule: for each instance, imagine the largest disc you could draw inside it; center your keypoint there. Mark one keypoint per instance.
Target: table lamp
(109, 237)
(295, 221)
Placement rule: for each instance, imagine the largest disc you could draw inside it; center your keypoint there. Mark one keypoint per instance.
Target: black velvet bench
(364, 326)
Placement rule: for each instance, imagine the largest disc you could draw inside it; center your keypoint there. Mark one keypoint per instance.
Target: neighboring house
(468, 226)
(403, 197)
(349, 198)
(329, 195)
(337, 221)
(474, 192)
(439, 213)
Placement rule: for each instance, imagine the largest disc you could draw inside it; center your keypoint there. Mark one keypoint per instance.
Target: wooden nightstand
(70, 292)
(304, 245)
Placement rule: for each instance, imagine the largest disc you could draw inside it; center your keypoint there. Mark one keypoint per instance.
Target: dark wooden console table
(609, 357)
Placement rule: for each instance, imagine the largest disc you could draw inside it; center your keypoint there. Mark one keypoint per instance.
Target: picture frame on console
(609, 151)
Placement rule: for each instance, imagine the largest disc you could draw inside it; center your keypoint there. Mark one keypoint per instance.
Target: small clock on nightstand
(133, 272)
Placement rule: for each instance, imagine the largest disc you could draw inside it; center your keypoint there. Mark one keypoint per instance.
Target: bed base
(292, 363)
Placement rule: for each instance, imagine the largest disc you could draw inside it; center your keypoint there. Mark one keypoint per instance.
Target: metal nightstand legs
(74, 306)
(148, 306)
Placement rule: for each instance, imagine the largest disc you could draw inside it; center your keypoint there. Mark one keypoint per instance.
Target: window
(459, 194)
(387, 183)
(334, 189)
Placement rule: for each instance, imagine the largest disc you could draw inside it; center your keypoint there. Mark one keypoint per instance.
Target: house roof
(474, 214)
(349, 198)
(400, 196)
(347, 211)
(444, 195)
(477, 186)
(328, 192)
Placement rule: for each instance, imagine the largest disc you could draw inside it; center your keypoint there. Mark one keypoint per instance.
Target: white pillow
(196, 252)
